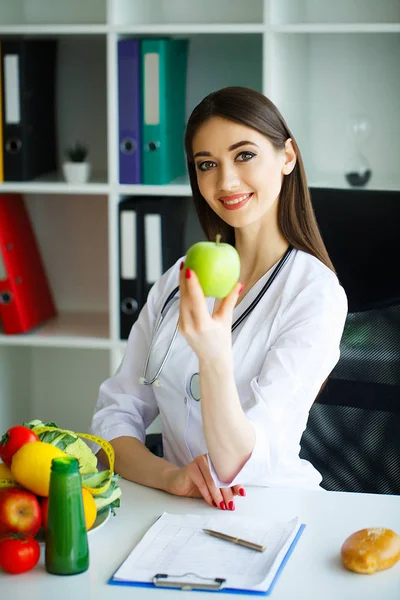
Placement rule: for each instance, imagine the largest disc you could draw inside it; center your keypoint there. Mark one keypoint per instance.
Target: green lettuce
(108, 499)
(69, 442)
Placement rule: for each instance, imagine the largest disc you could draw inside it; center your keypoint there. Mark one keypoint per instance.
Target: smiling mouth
(236, 202)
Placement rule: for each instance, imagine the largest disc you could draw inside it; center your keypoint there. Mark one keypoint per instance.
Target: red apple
(19, 512)
(44, 507)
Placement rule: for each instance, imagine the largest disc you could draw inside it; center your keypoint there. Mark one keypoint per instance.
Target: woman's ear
(290, 157)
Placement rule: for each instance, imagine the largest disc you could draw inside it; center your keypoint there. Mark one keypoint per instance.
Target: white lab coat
(283, 352)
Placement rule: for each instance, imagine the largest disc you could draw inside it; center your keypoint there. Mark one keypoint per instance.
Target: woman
(257, 382)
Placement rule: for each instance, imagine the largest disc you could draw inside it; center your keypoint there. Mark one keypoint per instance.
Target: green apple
(216, 265)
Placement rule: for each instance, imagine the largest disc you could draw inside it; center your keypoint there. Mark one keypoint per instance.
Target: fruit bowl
(101, 520)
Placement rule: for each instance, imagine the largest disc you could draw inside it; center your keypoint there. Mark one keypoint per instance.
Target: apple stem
(218, 238)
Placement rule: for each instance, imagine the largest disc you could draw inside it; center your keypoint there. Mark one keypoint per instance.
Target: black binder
(28, 97)
(163, 225)
(151, 240)
(131, 244)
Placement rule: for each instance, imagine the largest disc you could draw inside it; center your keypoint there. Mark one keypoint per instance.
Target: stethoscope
(194, 384)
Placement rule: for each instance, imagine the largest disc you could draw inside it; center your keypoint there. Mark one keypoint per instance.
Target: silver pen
(235, 540)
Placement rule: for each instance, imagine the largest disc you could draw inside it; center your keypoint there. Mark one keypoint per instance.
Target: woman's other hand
(194, 480)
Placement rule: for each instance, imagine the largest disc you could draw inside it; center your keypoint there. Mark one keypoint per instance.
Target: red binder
(25, 296)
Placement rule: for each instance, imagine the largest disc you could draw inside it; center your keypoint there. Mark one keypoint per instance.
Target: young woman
(238, 375)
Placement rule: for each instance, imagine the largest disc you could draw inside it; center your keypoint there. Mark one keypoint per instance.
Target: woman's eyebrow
(233, 147)
(242, 143)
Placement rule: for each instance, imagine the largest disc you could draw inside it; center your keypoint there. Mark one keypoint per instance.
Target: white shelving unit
(322, 62)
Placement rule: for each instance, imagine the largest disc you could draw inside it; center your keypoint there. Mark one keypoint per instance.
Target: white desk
(313, 571)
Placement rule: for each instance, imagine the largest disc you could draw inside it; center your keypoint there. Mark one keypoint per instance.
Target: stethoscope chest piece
(194, 387)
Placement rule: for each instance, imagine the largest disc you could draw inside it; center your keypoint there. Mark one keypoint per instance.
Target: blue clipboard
(162, 581)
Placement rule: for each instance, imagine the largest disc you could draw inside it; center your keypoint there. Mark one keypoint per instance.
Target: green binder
(164, 66)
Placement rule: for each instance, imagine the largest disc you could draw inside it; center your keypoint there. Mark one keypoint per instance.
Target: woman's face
(239, 173)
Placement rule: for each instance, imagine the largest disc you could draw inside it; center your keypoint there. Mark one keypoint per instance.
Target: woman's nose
(228, 179)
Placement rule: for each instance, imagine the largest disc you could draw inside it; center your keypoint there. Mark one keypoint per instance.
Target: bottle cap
(65, 464)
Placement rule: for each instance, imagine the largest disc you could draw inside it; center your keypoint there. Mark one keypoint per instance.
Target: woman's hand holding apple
(209, 335)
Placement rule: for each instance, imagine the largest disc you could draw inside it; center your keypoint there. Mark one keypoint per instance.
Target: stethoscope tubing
(236, 324)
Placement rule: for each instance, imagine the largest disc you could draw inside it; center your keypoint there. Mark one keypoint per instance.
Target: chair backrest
(353, 432)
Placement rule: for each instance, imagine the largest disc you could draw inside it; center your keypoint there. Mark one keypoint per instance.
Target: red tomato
(19, 552)
(12, 441)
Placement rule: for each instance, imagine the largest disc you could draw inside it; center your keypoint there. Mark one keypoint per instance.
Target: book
(176, 552)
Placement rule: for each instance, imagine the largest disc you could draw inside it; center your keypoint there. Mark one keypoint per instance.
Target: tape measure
(106, 446)
(9, 483)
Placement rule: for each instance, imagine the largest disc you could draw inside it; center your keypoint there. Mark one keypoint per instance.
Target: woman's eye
(206, 165)
(244, 156)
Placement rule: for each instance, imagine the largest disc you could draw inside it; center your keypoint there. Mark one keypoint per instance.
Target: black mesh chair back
(353, 432)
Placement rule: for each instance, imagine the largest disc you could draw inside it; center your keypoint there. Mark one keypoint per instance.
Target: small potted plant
(76, 169)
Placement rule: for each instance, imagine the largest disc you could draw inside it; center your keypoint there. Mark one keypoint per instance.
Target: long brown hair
(296, 217)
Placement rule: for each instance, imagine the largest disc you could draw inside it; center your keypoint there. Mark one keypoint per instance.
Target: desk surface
(313, 572)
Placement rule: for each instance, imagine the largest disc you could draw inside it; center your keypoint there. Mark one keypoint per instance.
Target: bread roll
(370, 550)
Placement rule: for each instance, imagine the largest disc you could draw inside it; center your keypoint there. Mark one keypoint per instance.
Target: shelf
(55, 184)
(336, 28)
(193, 29)
(67, 330)
(338, 181)
(339, 79)
(53, 30)
(178, 187)
(189, 28)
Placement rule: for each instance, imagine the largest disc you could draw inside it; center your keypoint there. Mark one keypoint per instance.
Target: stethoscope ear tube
(257, 299)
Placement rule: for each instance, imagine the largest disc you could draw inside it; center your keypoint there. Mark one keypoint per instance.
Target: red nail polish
(188, 274)
(182, 263)
(222, 505)
(242, 491)
(214, 503)
(241, 288)
(231, 505)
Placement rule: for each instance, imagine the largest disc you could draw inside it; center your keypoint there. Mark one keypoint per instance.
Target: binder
(25, 296)
(1, 121)
(150, 242)
(164, 221)
(129, 111)
(164, 66)
(28, 94)
(130, 264)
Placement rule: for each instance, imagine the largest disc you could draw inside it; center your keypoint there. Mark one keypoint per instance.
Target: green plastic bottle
(67, 549)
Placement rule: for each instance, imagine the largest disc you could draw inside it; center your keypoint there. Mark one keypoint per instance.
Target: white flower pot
(76, 172)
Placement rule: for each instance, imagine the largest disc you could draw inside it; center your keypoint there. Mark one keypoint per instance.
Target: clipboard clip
(163, 580)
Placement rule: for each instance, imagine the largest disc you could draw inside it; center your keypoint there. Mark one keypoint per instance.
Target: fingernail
(214, 503)
(182, 263)
(231, 505)
(242, 491)
(241, 288)
(222, 505)
(188, 274)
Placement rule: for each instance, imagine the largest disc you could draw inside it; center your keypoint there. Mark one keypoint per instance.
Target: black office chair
(353, 432)
(154, 444)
